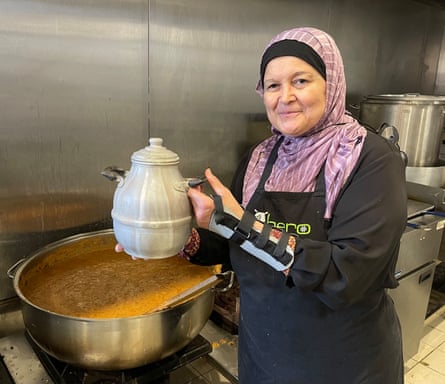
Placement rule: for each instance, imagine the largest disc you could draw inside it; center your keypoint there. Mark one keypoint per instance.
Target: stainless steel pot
(419, 120)
(109, 344)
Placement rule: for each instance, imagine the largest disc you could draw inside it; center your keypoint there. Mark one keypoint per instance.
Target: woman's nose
(288, 94)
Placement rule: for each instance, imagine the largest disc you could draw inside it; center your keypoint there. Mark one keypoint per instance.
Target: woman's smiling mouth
(289, 113)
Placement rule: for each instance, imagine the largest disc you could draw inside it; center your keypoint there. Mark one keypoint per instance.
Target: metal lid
(407, 98)
(155, 154)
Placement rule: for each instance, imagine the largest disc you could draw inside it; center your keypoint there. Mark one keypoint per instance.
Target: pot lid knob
(155, 154)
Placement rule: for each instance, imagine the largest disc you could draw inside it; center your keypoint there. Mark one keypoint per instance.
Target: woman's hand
(119, 248)
(204, 206)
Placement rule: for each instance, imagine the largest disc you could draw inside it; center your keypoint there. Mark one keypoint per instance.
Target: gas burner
(19, 363)
(154, 373)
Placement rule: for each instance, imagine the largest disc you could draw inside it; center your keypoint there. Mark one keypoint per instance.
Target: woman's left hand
(118, 248)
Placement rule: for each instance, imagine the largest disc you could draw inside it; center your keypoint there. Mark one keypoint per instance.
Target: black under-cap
(292, 48)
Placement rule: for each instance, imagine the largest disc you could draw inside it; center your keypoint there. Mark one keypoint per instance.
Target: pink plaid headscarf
(336, 140)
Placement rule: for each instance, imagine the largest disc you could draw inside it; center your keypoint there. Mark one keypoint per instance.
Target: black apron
(288, 336)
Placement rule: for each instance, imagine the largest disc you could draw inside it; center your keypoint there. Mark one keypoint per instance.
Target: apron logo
(299, 229)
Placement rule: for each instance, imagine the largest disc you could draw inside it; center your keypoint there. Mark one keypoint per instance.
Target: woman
(314, 219)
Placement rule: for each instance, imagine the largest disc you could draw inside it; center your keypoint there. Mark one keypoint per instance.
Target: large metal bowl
(110, 344)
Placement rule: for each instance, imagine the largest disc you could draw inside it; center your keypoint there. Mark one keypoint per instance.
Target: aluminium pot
(152, 215)
(419, 120)
(108, 344)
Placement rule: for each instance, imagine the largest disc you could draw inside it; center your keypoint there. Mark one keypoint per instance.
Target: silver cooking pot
(152, 215)
(419, 120)
(108, 344)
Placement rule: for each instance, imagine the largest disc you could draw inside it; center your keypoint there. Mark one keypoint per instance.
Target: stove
(23, 362)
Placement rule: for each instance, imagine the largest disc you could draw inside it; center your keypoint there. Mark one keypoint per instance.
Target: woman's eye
(272, 86)
(300, 81)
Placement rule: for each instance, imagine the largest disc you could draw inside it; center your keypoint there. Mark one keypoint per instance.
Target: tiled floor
(198, 372)
(428, 365)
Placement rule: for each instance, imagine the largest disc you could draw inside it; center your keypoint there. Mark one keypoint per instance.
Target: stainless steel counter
(419, 250)
(10, 317)
(225, 350)
(23, 364)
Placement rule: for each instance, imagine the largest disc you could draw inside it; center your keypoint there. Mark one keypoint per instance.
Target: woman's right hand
(203, 204)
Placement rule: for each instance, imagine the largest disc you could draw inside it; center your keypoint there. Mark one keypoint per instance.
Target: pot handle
(114, 173)
(197, 181)
(228, 277)
(13, 268)
(393, 137)
(183, 186)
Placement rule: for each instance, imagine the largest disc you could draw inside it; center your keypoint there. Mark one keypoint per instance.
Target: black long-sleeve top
(361, 250)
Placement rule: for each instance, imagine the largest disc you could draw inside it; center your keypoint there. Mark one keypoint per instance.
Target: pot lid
(155, 154)
(410, 98)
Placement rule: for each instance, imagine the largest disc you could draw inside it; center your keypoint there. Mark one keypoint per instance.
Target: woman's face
(294, 95)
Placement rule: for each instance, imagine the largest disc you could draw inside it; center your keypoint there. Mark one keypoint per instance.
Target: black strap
(243, 229)
(219, 209)
(270, 162)
(280, 249)
(263, 237)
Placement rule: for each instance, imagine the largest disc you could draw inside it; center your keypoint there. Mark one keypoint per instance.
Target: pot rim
(68, 240)
(406, 98)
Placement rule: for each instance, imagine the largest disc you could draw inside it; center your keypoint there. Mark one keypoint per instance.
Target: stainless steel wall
(204, 58)
(83, 82)
(440, 77)
(73, 99)
(73, 92)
